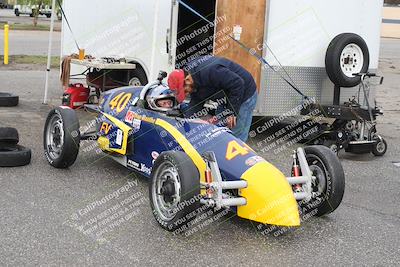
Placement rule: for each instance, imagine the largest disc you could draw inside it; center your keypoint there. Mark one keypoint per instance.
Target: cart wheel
(61, 137)
(380, 147)
(328, 185)
(174, 190)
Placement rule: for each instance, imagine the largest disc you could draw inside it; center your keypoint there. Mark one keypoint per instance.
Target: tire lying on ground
(14, 156)
(8, 100)
(347, 54)
(9, 136)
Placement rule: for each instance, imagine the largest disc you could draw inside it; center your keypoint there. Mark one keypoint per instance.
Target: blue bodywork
(148, 140)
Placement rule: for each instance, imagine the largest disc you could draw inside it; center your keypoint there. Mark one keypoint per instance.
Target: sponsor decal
(136, 125)
(119, 138)
(254, 160)
(148, 119)
(105, 128)
(139, 166)
(129, 117)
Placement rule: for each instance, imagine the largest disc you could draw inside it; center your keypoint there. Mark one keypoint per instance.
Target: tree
(36, 5)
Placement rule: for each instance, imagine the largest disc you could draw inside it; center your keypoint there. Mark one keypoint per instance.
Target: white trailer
(163, 35)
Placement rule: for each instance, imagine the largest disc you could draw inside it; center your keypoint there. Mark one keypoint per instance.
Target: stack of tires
(12, 154)
(8, 100)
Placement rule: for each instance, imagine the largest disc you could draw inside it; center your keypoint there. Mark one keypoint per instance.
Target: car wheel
(174, 190)
(347, 54)
(14, 155)
(380, 147)
(9, 136)
(329, 182)
(8, 100)
(61, 137)
(48, 16)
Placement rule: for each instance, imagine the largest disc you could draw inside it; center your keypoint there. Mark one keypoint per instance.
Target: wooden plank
(250, 15)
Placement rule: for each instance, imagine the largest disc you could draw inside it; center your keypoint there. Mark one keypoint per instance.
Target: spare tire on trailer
(347, 54)
(8, 100)
(8, 135)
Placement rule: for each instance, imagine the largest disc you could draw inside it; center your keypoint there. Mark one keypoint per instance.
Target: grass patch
(32, 60)
(27, 27)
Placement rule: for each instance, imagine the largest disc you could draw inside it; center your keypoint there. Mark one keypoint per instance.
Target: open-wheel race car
(192, 163)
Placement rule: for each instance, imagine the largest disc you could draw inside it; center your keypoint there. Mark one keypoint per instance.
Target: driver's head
(182, 83)
(161, 98)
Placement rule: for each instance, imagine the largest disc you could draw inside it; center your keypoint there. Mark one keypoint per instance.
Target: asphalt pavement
(29, 42)
(66, 217)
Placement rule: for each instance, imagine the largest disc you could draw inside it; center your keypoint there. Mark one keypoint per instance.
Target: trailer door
(249, 18)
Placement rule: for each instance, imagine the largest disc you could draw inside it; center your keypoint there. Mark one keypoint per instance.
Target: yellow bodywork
(270, 198)
(104, 143)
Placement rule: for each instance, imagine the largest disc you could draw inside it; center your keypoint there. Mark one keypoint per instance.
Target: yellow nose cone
(269, 196)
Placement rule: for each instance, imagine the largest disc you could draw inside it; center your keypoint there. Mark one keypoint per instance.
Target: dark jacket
(215, 78)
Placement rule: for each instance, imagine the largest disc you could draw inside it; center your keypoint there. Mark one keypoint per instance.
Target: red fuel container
(75, 96)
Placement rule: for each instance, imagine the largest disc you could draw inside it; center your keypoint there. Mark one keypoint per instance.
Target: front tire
(174, 190)
(61, 137)
(329, 183)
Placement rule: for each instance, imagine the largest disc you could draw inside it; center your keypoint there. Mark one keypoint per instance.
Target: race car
(192, 163)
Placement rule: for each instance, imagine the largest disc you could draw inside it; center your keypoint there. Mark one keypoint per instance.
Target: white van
(292, 35)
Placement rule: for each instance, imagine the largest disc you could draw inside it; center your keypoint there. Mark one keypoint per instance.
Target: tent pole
(154, 46)
(53, 15)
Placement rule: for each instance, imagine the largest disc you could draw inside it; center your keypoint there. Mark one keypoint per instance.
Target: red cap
(176, 82)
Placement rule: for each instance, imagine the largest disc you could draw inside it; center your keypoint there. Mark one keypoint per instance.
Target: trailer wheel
(329, 183)
(380, 147)
(347, 54)
(174, 190)
(138, 77)
(61, 137)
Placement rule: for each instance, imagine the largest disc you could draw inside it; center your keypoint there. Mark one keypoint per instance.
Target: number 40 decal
(235, 149)
(120, 101)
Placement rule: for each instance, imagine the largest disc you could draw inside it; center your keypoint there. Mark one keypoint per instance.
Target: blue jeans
(245, 118)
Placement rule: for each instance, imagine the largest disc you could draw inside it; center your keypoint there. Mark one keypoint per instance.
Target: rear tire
(329, 184)
(174, 190)
(61, 137)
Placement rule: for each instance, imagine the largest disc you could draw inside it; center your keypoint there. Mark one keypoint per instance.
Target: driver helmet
(161, 98)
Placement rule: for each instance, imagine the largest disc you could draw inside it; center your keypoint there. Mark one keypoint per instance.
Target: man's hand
(231, 122)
